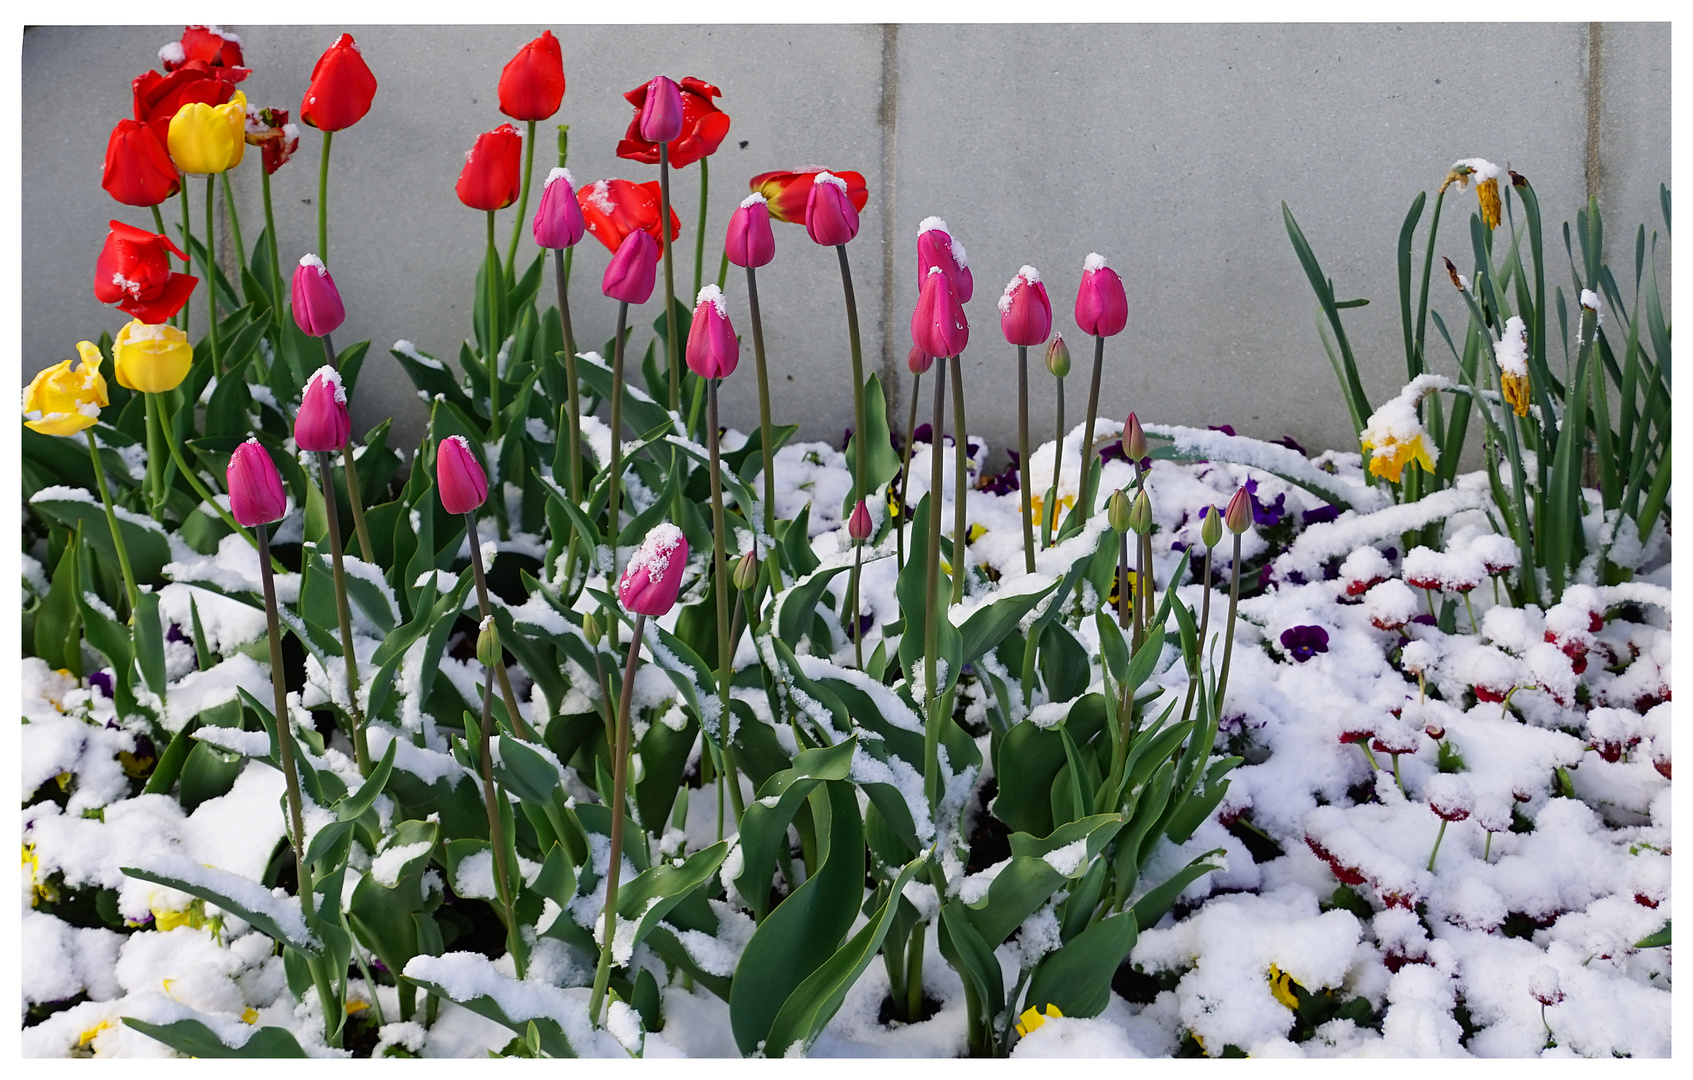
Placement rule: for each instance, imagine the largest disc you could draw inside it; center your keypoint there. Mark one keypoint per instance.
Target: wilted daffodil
(1485, 175)
(206, 139)
(152, 359)
(62, 401)
(1395, 436)
(1511, 352)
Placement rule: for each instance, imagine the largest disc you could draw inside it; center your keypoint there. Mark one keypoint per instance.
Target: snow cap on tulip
(661, 112)
(256, 496)
(459, 476)
(654, 575)
(1058, 356)
(558, 219)
(938, 325)
(318, 309)
(1102, 308)
(750, 242)
(1025, 312)
(858, 524)
(630, 274)
(712, 350)
(322, 422)
(830, 217)
(936, 247)
(1238, 517)
(918, 360)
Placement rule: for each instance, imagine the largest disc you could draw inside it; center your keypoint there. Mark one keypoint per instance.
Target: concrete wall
(1168, 148)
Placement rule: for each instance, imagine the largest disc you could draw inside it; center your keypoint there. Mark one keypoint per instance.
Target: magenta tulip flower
(1101, 306)
(459, 476)
(713, 350)
(558, 220)
(256, 496)
(750, 242)
(661, 112)
(322, 422)
(938, 326)
(654, 575)
(1025, 313)
(630, 274)
(858, 524)
(317, 302)
(936, 247)
(830, 217)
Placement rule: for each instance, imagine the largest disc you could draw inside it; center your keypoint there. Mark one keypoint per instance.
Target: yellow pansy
(88, 1036)
(152, 359)
(249, 1015)
(1037, 506)
(206, 139)
(62, 401)
(1031, 1019)
(1282, 987)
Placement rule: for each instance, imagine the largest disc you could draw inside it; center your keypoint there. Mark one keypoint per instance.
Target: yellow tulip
(67, 401)
(152, 359)
(207, 139)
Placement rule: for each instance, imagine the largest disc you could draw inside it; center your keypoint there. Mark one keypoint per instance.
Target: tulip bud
(713, 350)
(318, 309)
(153, 359)
(255, 487)
(1117, 511)
(1102, 308)
(858, 524)
(938, 325)
(341, 88)
(1140, 514)
(492, 176)
(830, 217)
(746, 571)
(459, 476)
(1211, 526)
(630, 274)
(532, 82)
(936, 247)
(750, 242)
(591, 628)
(654, 575)
(1058, 356)
(322, 422)
(661, 112)
(1134, 439)
(558, 219)
(138, 169)
(488, 643)
(918, 361)
(1238, 517)
(1025, 312)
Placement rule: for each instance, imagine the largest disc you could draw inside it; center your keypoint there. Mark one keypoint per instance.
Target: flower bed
(1161, 742)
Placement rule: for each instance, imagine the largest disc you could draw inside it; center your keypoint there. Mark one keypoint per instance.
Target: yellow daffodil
(1485, 175)
(1511, 353)
(1395, 436)
(206, 139)
(62, 401)
(1031, 1019)
(152, 359)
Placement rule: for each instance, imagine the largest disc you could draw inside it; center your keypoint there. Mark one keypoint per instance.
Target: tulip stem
(188, 249)
(343, 614)
(522, 204)
(905, 467)
(725, 590)
(671, 350)
(211, 282)
(323, 200)
(1125, 590)
(156, 457)
(1228, 641)
(234, 219)
(497, 828)
(1204, 628)
(960, 482)
(517, 723)
(857, 628)
(1028, 491)
(931, 611)
(366, 551)
(112, 522)
(766, 435)
(275, 259)
(284, 732)
(619, 784)
(1050, 515)
(571, 388)
(1085, 500)
(175, 454)
(699, 236)
(860, 450)
(491, 347)
(614, 483)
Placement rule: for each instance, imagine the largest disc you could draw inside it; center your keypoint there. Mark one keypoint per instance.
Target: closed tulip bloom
(210, 45)
(1211, 526)
(830, 217)
(138, 169)
(654, 575)
(713, 349)
(151, 358)
(341, 89)
(492, 175)
(614, 208)
(704, 126)
(1025, 312)
(206, 139)
(936, 247)
(858, 524)
(1118, 511)
(459, 476)
(532, 82)
(270, 131)
(1238, 516)
(133, 272)
(60, 401)
(317, 302)
(788, 192)
(918, 361)
(1101, 306)
(750, 242)
(322, 422)
(1058, 356)
(1134, 438)
(558, 220)
(938, 326)
(629, 276)
(661, 110)
(256, 496)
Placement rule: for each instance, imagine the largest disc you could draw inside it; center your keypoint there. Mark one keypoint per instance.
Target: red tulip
(630, 274)
(704, 126)
(493, 170)
(654, 575)
(938, 326)
(1101, 306)
(138, 169)
(830, 217)
(1238, 516)
(157, 97)
(318, 309)
(270, 131)
(1025, 313)
(858, 524)
(256, 496)
(322, 422)
(341, 89)
(713, 349)
(788, 192)
(936, 247)
(558, 219)
(615, 208)
(133, 272)
(918, 361)
(750, 242)
(459, 476)
(210, 45)
(532, 83)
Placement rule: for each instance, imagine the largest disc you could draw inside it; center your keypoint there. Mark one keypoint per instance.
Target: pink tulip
(322, 422)
(750, 242)
(1025, 313)
(317, 302)
(558, 220)
(938, 326)
(1101, 306)
(255, 487)
(654, 574)
(630, 274)
(858, 525)
(459, 476)
(936, 247)
(1238, 517)
(830, 217)
(661, 112)
(918, 361)
(713, 350)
